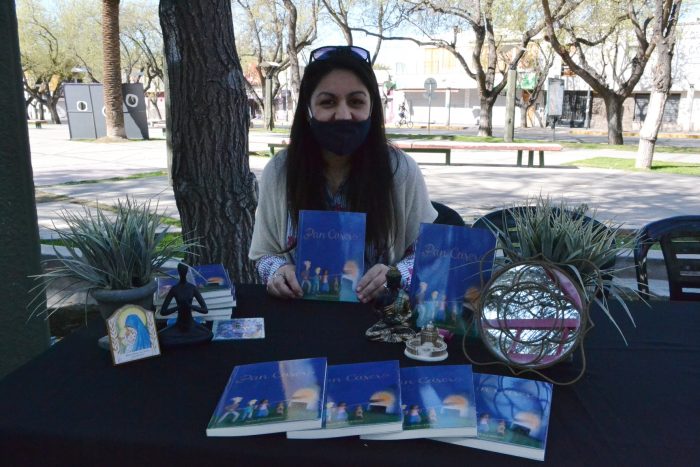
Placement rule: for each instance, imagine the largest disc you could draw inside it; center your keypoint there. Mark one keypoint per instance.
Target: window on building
(641, 105)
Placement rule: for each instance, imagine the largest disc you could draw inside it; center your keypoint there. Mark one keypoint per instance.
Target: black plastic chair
(447, 215)
(679, 238)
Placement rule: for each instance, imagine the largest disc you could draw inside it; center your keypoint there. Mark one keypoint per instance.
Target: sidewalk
(485, 181)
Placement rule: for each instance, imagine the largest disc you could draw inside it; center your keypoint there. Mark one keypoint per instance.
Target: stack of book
(213, 283)
(380, 401)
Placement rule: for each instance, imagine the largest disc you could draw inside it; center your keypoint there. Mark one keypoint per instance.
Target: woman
(339, 159)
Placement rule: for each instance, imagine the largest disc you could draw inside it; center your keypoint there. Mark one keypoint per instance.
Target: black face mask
(341, 137)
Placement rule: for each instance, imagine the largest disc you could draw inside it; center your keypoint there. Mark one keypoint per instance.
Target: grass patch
(627, 147)
(157, 173)
(679, 168)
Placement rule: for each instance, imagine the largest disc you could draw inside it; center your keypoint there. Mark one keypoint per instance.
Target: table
(636, 405)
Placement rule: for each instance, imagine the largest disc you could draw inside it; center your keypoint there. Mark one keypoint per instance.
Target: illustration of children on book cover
(362, 393)
(438, 397)
(513, 410)
(451, 266)
(271, 392)
(330, 254)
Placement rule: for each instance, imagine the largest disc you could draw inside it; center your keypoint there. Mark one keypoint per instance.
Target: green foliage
(112, 250)
(567, 237)
(679, 168)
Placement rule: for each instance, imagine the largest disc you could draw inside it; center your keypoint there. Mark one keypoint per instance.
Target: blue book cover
(512, 416)
(271, 397)
(212, 280)
(361, 398)
(330, 254)
(451, 263)
(436, 401)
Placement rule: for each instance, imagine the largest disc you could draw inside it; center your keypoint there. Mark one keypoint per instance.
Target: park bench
(37, 123)
(414, 148)
(446, 147)
(157, 124)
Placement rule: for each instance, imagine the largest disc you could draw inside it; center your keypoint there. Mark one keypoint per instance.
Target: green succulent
(112, 248)
(568, 237)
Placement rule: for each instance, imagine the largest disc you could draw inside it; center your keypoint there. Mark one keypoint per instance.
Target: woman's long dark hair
(371, 177)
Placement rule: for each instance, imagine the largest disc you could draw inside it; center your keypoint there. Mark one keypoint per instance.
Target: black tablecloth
(636, 405)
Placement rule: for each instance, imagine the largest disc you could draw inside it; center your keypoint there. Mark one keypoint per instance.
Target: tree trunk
(523, 115)
(665, 39)
(295, 78)
(55, 118)
(215, 191)
(485, 113)
(20, 340)
(112, 76)
(613, 111)
(650, 130)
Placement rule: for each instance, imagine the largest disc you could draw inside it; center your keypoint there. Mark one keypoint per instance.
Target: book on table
(270, 397)
(361, 398)
(238, 328)
(512, 416)
(436, 401)
(212, 281)
(451, 266)
(330, 254)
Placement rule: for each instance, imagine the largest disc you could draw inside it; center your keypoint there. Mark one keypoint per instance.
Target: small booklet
(437, 401)
(512, 416)
(271, 397)
(330, 254)
(451, 263)
(238, 328)
(361, 398)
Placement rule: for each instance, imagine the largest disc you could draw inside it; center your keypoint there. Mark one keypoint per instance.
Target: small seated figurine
(428, 346)
(394, 308)
(185, 331)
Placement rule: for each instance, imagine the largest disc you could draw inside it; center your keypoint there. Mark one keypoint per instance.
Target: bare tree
(665, 20)
(215, 191)
(112, 79)
(610, 47)
(275, 34)
(485, 65)
(540, 62)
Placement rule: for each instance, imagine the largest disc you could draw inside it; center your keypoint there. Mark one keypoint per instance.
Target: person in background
(339, 159)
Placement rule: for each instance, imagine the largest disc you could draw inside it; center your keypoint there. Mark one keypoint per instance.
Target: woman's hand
(283, 283)
(372, 283)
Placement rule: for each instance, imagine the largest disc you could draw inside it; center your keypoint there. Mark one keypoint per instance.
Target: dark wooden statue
(185, 331)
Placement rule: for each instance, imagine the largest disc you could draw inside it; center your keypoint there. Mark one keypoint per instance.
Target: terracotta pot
(109, 300)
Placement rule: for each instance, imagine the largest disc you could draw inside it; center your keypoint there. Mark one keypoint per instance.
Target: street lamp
(269, 72)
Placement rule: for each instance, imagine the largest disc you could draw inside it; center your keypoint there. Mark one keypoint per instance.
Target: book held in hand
(436, 401)
(451, 264)
(512, 416)
(271, 397)
(361, 398)
(330, 254)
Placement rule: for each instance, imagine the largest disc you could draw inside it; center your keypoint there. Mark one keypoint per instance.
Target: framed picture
(132, 334)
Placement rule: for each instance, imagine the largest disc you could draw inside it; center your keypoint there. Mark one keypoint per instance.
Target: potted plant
(110, 253)
(567, 237)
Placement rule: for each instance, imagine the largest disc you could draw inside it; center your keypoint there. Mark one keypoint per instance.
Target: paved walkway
(478, 182)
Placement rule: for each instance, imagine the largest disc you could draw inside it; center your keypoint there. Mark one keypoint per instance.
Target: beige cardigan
(411, 207)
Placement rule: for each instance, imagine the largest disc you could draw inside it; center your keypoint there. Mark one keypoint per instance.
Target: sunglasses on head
(323, 53)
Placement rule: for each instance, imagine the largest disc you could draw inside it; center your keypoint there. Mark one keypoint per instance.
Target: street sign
(430, 85)
(555, 97)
